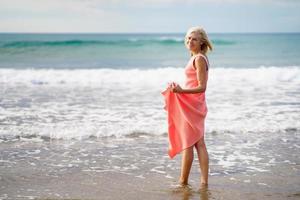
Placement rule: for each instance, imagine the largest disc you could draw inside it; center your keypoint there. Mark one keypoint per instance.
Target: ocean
(143, 51)
(89, 105)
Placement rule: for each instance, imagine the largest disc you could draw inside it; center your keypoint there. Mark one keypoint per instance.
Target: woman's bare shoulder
(200, 62)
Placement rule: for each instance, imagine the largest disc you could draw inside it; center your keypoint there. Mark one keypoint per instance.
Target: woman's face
(193, 42)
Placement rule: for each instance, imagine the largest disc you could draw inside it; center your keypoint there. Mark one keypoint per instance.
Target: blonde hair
(206, 44)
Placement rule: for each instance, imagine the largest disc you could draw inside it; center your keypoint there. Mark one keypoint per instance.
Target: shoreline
(131, 169)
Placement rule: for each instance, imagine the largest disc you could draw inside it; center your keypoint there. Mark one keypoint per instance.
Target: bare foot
(204, 192)
(181, 187)
(182, 183)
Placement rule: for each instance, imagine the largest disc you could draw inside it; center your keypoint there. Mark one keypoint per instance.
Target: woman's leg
(203, 160)
(186, 164)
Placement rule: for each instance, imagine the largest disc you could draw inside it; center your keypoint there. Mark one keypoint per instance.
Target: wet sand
(132, 168)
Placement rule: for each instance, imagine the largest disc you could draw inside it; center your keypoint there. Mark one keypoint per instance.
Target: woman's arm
(200, 65)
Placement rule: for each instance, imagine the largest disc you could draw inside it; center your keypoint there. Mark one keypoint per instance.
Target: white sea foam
(158, 170)
(106, 102)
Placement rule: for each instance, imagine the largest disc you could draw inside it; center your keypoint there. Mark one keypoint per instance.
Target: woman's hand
(177, 89)
(174, 87)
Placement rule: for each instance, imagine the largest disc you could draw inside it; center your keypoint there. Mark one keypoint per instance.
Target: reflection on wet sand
(186, 192)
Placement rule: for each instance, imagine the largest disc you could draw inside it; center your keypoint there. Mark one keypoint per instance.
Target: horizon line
(292, 32)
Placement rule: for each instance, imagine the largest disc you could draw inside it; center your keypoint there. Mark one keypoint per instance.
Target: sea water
(82, 85)
(76, 106)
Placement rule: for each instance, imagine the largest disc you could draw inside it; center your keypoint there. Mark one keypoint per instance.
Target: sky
(149, 16)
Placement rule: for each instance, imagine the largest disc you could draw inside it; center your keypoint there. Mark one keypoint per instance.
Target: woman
(187, 109)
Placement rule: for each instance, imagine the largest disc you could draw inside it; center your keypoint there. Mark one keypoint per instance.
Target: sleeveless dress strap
(206, 60)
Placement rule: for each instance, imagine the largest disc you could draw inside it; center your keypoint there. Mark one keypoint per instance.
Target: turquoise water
(117, 51)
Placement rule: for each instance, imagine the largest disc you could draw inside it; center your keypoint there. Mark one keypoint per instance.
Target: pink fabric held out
(186, 113)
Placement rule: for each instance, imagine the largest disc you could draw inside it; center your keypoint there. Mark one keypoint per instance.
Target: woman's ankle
(203, 181)
(183, 182)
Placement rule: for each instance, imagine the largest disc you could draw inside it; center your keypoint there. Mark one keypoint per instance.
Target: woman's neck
(197, 53)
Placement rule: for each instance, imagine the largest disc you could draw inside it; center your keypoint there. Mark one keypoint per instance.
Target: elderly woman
(186, 107)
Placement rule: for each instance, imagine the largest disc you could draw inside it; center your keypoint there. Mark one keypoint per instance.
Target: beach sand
(131, 168)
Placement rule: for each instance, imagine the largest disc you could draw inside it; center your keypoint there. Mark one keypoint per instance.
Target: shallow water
(268, 168)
